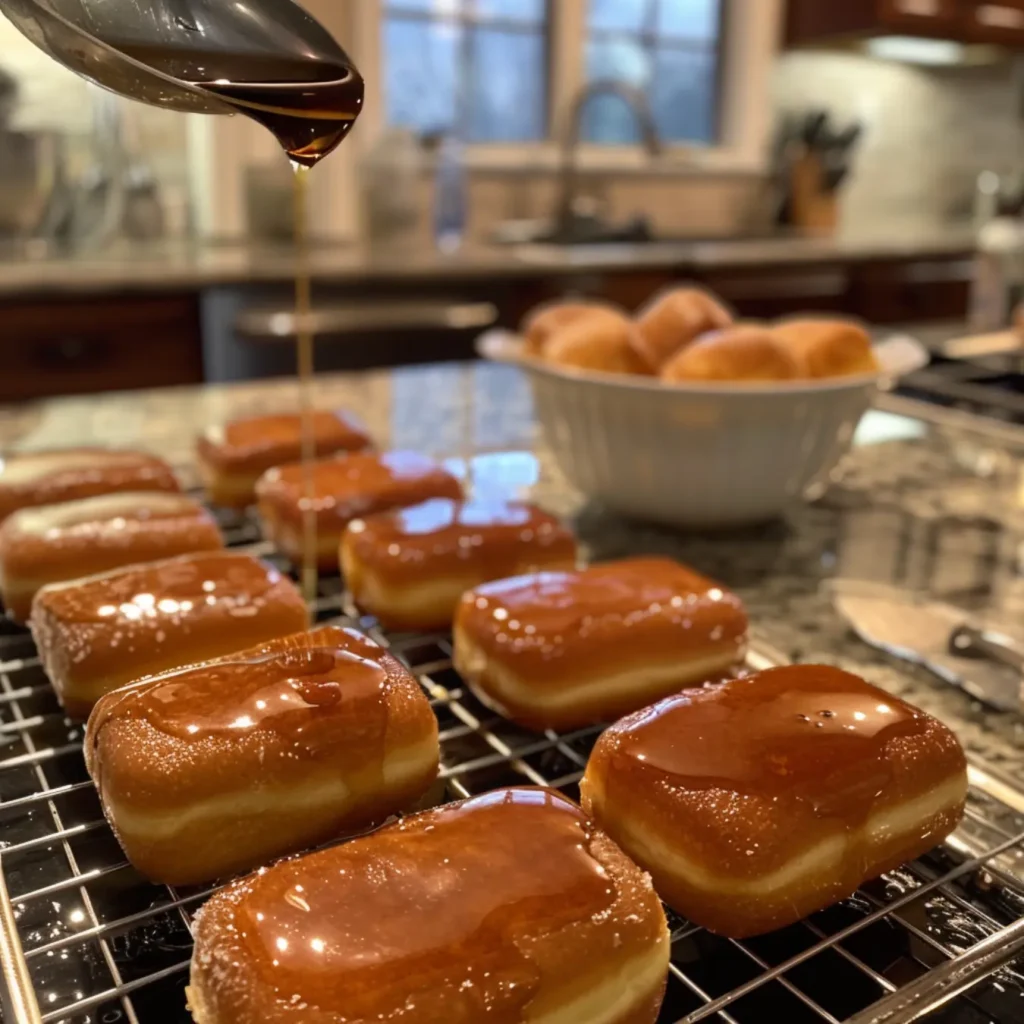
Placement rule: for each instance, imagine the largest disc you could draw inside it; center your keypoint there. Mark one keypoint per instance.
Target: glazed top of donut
(478, 537)
(603, 617)
(43, 478)
(121, 619)
(357, 484)
(272, 711)
(790, 750)
(444, 916)
(259, 442)
(49, 535)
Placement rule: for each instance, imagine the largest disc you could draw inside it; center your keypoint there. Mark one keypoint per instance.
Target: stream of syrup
(310, 107)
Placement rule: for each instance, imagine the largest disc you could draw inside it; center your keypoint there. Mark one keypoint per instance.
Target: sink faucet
(636, 100)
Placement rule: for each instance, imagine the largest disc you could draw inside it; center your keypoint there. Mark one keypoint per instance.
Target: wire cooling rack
(84, 939)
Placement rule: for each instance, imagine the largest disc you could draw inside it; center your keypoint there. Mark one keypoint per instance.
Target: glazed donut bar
(234, 456)
(759, 801)
(507, 907)
(53, 543)
(102, 632)
(45, 478)
(343, 490)
(214, 769)
(567, 649)
(410, 567)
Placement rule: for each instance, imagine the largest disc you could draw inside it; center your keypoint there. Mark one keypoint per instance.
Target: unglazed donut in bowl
(733, 426)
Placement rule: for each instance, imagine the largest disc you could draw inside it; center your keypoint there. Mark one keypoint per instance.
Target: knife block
(814, 209)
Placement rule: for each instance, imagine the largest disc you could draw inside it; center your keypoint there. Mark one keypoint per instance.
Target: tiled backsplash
(929, 131)
(49, 96)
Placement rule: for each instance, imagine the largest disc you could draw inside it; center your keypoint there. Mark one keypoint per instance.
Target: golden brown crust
(53, 543)
(443, 917)
(97, 634)
(674, 320)
(542, 323)
(741, 353)
(560, 650)
(48, 477)
(233, 457)
(344, 489)
(604, 344)
(828, 348)
(323, 727)
(390, 557)
(759, 801)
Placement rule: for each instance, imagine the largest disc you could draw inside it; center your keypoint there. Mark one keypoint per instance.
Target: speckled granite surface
(940, 508)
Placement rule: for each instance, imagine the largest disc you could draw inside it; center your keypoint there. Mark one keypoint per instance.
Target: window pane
(619, 14)
(506, 100)
(683, 95)
(421, 73)
(608, 119)
(439, 7)
(517, 10)
(690, 19)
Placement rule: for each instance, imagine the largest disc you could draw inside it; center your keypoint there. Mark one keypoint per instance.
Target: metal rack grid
(85, 940)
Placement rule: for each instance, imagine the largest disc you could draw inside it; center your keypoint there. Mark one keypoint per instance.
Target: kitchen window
(478, 66)
(504, 74)
(667, 48)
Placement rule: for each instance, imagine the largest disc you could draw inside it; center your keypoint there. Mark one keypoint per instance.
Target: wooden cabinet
(811, 21)
(970, 21)
(912, 291)
(1000, 22)
(769, 292)
(82, 346)
(925, 17)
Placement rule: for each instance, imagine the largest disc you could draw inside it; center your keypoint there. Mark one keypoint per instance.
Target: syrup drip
(276, 693)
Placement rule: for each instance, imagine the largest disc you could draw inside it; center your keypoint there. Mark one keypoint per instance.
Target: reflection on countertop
(149, 267)
(933, 506)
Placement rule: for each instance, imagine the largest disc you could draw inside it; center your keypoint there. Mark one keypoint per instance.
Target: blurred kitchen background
(863, 156)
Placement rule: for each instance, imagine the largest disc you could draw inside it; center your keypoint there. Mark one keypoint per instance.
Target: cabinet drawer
(922, 290)
(772, 292)
(107, 344)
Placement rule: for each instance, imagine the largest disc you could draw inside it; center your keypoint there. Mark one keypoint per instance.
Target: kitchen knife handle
(967, 641)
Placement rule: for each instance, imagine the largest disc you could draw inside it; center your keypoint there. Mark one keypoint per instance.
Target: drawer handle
(279, 324)
(809, 286)
(70, 352)
(919, 8)
(1000, 16)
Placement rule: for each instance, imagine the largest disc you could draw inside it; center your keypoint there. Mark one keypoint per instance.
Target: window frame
(744, 116)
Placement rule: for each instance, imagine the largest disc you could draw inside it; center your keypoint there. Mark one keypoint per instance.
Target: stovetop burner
(991, 386)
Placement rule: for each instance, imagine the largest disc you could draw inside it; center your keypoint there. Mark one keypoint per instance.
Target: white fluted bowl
(703, 454)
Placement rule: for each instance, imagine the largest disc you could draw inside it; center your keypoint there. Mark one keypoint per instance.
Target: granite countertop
(935, 507)
(126, 267)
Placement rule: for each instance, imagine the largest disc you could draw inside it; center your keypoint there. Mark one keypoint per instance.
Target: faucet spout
(637, 102)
